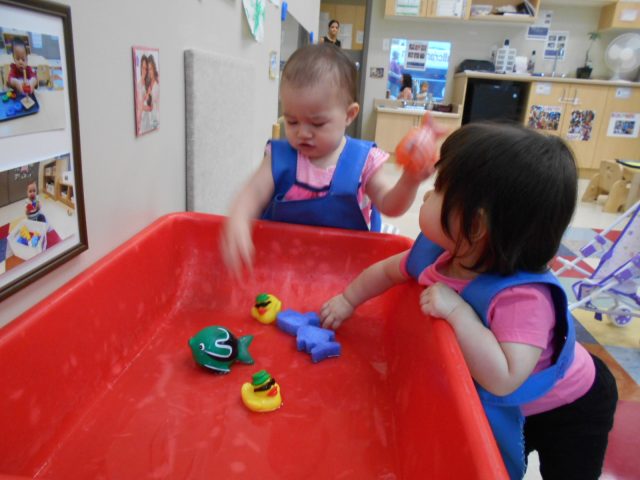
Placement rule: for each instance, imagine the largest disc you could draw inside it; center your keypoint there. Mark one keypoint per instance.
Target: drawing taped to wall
(624, 124)
(542, 117)
(581, 125)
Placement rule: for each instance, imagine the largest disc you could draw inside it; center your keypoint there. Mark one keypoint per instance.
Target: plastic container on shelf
(531, 64)
(113, 392)
(505, 58)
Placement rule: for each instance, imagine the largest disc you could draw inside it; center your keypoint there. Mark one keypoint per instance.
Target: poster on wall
(623, 124)
(556, 46)
(146, 83)
(581, 125)
(408, 7)
(543, 117)
(42, 222)
(416, 55)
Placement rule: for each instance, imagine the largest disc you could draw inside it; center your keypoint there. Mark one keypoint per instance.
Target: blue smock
(339, 208)
(503, 412)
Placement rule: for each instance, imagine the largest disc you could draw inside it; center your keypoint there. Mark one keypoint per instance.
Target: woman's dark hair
(331, 22)
(407, 81)
(151, 63)
(521, 183)
(321, 63)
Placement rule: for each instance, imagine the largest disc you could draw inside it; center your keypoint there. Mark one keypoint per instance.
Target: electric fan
(623, 54)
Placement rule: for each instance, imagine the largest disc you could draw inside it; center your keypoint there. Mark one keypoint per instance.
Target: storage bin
(98, 380)
(26, 252)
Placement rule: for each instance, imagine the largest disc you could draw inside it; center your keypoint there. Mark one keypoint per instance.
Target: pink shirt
(316, 177)
(525, 314)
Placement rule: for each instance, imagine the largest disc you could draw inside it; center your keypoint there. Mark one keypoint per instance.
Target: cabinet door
(545, 108)
(391, 127)
(583, 118)
(619, 136)
(620, 15)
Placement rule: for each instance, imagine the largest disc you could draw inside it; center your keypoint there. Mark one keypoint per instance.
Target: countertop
(416, 111)
(533, 78)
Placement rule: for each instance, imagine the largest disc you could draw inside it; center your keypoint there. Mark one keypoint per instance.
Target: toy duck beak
(262, 310)
(273, 392)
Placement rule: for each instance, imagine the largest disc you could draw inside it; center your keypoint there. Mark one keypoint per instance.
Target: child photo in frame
(27, 60)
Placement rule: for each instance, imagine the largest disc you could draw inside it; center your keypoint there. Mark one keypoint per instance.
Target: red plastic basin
(97, 381)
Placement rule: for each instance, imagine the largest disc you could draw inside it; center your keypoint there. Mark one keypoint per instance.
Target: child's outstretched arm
(499, 367)
(418, 153)
(373, 281)
(236, 243)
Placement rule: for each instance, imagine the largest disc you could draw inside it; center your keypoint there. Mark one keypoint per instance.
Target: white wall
(473, 40)
(129, 182)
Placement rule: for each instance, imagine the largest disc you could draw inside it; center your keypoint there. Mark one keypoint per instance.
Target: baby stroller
(613, 288)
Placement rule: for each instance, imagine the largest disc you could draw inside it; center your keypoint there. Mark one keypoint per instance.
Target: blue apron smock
(339, 208)
(503, 412)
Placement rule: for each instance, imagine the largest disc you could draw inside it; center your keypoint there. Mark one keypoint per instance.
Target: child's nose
(304, 131)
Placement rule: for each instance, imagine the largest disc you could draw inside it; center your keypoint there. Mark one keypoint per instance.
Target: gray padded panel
(219, 122)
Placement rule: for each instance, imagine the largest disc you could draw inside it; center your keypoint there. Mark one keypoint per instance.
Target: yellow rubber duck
(262, 394)
(266, 308)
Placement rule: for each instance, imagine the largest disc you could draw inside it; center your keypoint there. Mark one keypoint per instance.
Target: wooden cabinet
(54, 184)
(575, 112)
(438, 10)
(65, 194)
(622, 109)
(394, 8)
(391, 127)
(393, 123)
(620, 15)
(50, 180)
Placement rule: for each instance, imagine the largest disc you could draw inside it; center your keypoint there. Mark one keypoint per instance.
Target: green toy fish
(216, 348)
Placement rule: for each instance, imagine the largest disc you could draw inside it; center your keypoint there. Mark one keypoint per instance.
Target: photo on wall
(42, 218)
(146, 76)
(32, 78)
(37, 210)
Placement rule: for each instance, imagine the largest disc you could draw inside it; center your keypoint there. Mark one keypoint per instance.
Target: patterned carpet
(619, 347)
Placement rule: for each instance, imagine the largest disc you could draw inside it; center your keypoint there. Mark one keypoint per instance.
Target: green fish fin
(243, 349)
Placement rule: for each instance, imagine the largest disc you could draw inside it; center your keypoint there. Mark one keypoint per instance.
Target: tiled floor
(618, 347)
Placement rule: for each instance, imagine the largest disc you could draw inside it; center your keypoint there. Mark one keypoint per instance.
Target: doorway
(353, 16)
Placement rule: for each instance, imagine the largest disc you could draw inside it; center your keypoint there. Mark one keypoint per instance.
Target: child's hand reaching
(335, 311)
(418, 152)
(441, 301)
(236, 246)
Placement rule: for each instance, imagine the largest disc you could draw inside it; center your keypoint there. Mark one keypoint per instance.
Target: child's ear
(479, 228)
(352, 112)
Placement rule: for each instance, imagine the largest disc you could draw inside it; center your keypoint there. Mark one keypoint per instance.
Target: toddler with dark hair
(503, 197)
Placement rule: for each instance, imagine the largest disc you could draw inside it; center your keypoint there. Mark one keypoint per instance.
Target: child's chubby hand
(441, 301)
(335, 311)
(236, 246)
(418, 152)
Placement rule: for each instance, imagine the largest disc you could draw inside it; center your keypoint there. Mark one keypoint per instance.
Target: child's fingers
(438, 130)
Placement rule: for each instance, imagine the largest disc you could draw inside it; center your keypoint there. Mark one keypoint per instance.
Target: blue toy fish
(216, 348)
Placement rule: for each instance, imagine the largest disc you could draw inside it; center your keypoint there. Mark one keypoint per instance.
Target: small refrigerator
(496, 100)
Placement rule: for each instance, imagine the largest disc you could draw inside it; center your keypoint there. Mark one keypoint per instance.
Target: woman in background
(332, 34)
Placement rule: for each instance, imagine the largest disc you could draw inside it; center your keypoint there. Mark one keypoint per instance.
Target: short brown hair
(320, 64)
